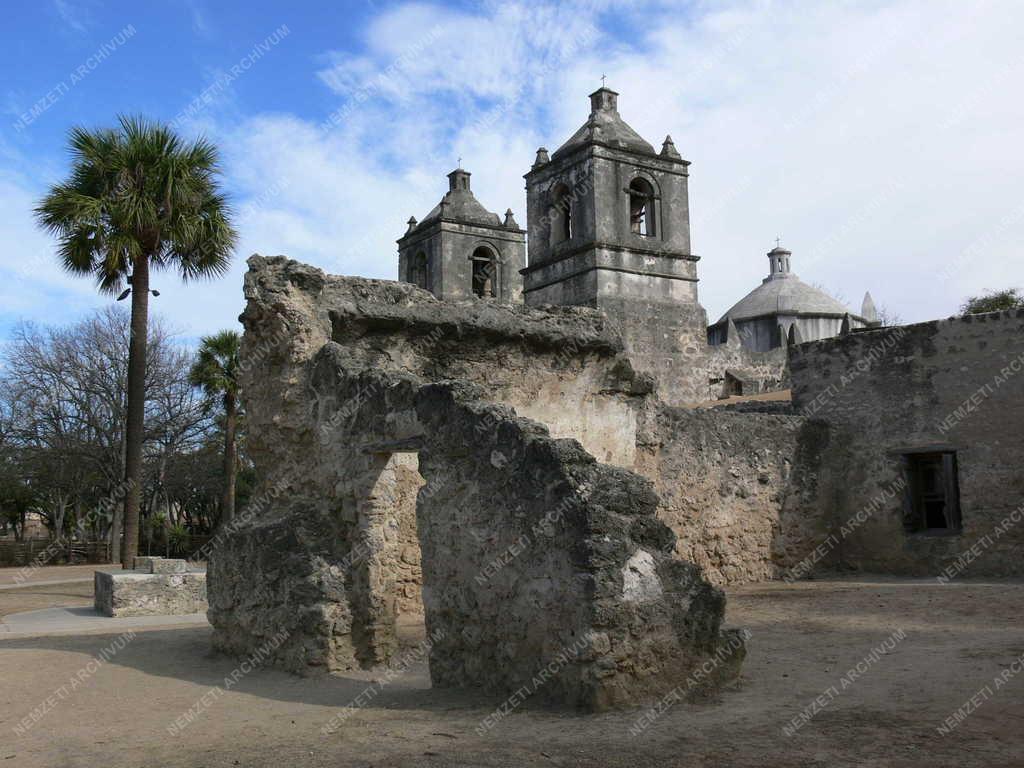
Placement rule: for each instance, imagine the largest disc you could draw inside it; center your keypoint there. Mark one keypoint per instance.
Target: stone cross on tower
(602, 81)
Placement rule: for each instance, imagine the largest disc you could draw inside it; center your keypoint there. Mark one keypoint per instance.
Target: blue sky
(878, 139)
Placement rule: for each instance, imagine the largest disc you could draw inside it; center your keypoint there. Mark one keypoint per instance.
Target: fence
(40, 551)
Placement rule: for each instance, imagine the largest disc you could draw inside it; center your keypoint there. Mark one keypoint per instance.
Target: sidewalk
(54, 621)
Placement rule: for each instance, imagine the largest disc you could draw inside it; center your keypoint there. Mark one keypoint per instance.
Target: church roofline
(428, 228)
(786, 313)
(556, 164)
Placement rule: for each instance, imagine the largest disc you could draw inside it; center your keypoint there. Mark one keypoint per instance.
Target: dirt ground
(957, 639)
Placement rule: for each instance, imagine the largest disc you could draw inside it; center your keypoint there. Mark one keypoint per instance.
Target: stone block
(162, 565)
(131, 593)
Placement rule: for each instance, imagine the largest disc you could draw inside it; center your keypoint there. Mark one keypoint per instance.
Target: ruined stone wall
(337, 375)
(947, 385)
(403, 537)
(737, 488)
(563, 367)
(537, 557)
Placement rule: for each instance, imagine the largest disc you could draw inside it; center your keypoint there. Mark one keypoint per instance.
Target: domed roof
(786, 295)
(605, 126)
(782, 292)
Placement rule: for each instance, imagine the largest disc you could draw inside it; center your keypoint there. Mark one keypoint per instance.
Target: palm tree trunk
(136, 408)
(230, 460)
(117, 519)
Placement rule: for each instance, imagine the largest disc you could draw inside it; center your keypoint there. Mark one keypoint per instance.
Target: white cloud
(876, 139)
(879, 140)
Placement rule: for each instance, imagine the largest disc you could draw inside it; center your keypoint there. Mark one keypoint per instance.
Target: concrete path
(61, 621)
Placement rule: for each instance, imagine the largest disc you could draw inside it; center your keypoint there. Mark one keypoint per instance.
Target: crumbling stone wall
(946, 385)
(739, 489)
(343, 375)
(402, 536)
(538, 557)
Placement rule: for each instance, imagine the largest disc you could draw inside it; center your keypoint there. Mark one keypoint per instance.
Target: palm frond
(216, 365)
(139, 191)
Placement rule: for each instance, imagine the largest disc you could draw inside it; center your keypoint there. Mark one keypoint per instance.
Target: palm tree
(139, 198)
(216, 371)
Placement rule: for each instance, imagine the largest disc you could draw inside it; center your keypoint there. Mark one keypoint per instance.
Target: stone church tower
(461, 249)
(609, 227)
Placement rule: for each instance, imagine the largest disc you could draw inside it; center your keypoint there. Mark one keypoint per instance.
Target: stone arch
(419, 269)
(643, 199)
(536, 558)
(561, 214)
(485, 271)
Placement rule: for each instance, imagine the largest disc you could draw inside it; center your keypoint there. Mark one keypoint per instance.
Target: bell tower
(609, 227)
(461, 249)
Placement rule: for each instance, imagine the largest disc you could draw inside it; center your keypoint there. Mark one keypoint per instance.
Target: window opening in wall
(485, 273)
(561, 215)
(418, 270)
(933, 492)
(641, 207)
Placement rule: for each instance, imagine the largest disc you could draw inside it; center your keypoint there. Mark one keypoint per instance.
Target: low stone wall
(165, 591)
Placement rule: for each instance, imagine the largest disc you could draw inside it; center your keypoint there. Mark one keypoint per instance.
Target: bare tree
(64, 400)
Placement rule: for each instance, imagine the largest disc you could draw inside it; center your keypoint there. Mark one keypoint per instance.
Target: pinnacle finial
(668, 149)
(867, 308)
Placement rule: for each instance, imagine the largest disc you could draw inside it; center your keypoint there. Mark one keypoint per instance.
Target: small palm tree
(139, 198)
(216, 371)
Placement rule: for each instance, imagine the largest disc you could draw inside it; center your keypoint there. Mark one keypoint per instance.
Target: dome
(783, 293)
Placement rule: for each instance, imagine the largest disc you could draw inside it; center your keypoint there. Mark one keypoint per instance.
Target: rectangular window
(932, 501)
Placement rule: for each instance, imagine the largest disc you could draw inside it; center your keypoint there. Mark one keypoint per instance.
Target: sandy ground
(804, 639)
